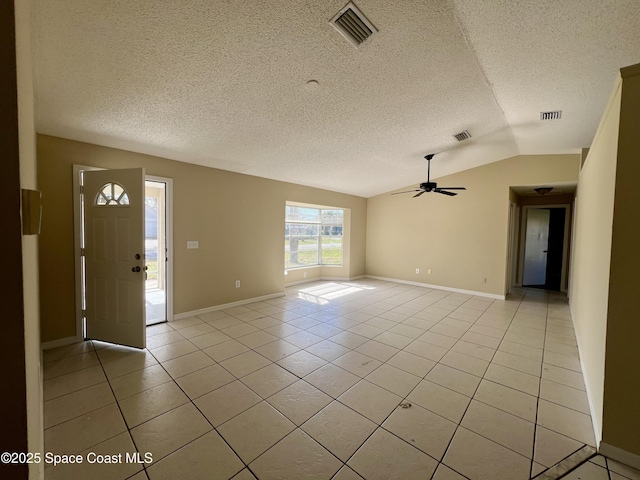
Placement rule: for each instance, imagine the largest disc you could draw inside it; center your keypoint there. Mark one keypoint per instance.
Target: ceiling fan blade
(451, 194)
(418, 194)
(452, 188)
(408, 191)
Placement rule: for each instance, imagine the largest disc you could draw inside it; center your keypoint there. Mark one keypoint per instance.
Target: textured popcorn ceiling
(224, 83)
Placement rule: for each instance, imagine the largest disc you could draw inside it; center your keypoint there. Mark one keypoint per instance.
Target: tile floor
(342, 380)
(602, 468)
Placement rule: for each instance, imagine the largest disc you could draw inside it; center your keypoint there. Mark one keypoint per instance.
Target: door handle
(545, 251)
(135, 269)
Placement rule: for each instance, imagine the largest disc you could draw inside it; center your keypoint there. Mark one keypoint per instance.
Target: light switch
(192, 244)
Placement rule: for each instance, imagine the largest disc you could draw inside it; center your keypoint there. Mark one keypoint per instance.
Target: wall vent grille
(462, 136)
(555, 115)
(353, 25)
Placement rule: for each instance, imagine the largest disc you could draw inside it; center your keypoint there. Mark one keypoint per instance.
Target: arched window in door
(112, 194)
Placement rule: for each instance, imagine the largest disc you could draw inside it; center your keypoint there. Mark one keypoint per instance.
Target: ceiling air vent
(555, 115)
(353, 25)
(462, 136)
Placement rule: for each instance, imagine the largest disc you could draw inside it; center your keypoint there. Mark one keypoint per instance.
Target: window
(312, 236)
(112, 194)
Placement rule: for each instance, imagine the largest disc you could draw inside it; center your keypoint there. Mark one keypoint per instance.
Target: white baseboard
(594, 418)
(619, 455)
(327, 279)
(440, 287)
(61, 342)
(202, 311)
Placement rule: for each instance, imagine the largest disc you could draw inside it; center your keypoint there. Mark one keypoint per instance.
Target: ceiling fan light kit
(543, 190)
(429, 186)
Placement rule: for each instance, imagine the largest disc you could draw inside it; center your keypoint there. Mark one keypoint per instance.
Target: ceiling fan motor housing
(428, 186)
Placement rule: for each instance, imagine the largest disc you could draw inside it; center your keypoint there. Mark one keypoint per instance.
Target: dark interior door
(556, 248)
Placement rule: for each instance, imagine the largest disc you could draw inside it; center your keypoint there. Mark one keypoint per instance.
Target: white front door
(114, 256)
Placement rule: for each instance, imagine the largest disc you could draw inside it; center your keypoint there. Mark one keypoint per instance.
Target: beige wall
(591, 254)
(461, 239)
(621, 416)
(237, 219)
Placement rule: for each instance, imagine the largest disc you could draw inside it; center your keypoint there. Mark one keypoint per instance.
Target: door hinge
(81, 189)
(82, 252)
(84, 314)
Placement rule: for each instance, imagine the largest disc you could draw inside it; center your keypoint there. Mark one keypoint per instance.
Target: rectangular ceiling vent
(353, 25)
(555, 115)
(462, 136)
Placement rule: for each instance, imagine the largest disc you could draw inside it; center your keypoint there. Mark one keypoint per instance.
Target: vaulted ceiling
(226, 83)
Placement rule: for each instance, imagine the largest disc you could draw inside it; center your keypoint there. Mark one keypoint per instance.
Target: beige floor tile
(476, 457)
(588, 471)
(139, 381)
(437, 339)
(440, 400)
(365, 330)
(277, 350)
(152, 402)
(257, 339)
(393, 379)
(466, 363)
(357, 363)
(299, 401)
(59, 353)
(426, 350)
(128, 364)
(551, 346)
(159, 328)
(244, 474)
(77, 403)
(303, 339)
(377, 350)
(408, 330)
(72, 382)
(196, 330)
(411, 363)
(474, 350)
(191, 362)
(448, 331)
(70, 364)
(301, 363)
(325, 330)
(507, 399)
(480, 339)
(339, 429)
(185, 322)
(269, 380)
(349, 339)
(209, 339)
(223, 322)
(116, 352)
(385, 456)
(568, 422)
(164, 339)
(245, 363)
(296, 457)
(501, 427)
(445, 473)
(239, 330)
(206, 458)
(327, 350)
(170, 431)
(204, 380)
(120, 444)
(173, 350)
(565, 396)
(624, 470)
(346, 473)
(282, 330)
(393, 339)
(563, 376)
(514, 379)
(421, 428)
(225, 350)
(570, 362)
(332, 379)
(518, 362)
(255, 430)
(304, 322)
(488, 331)
(265, 322)
(551, 447)
(226, 402)
(373, 402)
(84, 431)
(454, 379)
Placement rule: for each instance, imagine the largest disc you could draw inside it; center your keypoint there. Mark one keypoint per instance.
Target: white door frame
(78, 231)
(565, 241)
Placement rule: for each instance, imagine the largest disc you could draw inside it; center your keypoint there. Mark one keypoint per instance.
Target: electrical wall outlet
(192, 244)
(417, 270)
(237, 283)
(429, 272)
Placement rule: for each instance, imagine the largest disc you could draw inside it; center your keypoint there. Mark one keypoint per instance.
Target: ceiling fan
(430, 186)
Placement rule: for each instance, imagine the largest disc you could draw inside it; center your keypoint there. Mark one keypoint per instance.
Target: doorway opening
(545, 243)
